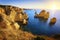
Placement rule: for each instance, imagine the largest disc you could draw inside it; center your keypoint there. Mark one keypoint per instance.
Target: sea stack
(40, 15)
(46, 16)
(53, 21)
(43, 15)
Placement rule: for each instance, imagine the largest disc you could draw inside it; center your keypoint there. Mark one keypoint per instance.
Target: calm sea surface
(40, 27)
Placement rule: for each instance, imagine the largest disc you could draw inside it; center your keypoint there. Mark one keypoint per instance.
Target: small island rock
(46, 16)
(43, 15)
(53, 20)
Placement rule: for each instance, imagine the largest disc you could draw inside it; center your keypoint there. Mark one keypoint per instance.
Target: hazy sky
(41, 4)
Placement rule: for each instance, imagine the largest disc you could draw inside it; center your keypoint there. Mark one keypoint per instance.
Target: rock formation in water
(53, 21)
(46, 16)
(43, 15)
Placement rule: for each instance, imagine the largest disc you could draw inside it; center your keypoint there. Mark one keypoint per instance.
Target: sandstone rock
(12, 14)
(25, 16)
(2, 35)
(24, 21)
(20, 10)
(2, 21)
(15, 26)
(42, 15)
(46, 16)
(2, 10)
(53, 20)
(7, 10)
(19, 17)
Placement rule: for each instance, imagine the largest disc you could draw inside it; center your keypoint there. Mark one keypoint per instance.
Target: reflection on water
(38, 26)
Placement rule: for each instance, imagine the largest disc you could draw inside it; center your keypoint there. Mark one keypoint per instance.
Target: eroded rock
(24, 21)
(46, 16)
(53, 21)
(42, 15)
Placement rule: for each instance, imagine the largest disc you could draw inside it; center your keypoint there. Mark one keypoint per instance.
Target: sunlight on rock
(9, 29)
(53, 21)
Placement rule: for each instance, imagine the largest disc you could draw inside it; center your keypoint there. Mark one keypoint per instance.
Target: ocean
(40, 27)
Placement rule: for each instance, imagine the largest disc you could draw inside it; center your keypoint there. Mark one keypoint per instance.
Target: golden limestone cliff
(9, 29)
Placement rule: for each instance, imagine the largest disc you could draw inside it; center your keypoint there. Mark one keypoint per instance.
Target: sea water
(40, 27)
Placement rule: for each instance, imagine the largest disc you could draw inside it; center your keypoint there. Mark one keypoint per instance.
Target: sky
(36, 4)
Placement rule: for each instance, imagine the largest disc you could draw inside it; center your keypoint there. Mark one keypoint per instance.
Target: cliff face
(9, 28)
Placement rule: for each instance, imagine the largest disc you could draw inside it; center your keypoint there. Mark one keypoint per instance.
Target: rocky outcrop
(43, 15)
(25, 16)
(21, 16)
(24, 21)
(53, 21)
(46, 16)
(9, 29)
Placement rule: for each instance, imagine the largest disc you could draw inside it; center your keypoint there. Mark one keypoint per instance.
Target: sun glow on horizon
(54, 7)
(50, 5)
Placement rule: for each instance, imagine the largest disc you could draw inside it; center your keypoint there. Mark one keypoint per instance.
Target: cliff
(9, 28)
